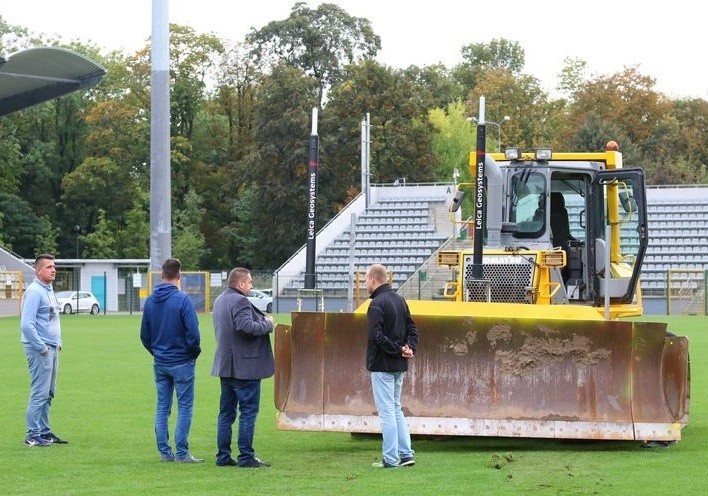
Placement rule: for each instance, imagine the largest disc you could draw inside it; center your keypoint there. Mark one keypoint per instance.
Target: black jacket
(390, 328)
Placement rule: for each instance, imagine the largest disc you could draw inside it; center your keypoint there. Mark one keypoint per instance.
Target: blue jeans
(43, 382)
(394, 430)
(177, 379)
(244, 395)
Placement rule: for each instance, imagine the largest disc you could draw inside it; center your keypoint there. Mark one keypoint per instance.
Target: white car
(78, 301)
(261, 301)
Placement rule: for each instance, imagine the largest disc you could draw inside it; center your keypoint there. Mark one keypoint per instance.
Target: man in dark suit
(243, 357)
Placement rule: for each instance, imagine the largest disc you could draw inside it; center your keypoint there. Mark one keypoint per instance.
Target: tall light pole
(77, 230)
(498, 126)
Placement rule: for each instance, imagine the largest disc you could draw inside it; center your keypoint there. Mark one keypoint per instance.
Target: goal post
(686, 292)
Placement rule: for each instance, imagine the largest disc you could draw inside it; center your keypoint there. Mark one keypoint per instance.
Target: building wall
(117, 283)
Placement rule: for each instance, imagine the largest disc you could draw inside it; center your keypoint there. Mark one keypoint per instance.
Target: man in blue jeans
(393, 339)
(41, 339)
(170, 332)
(243, 357)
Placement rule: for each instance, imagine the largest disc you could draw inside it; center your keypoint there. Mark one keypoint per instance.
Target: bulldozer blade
(491, 376)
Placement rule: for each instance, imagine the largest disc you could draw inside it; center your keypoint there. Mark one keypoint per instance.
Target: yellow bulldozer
(530, 336)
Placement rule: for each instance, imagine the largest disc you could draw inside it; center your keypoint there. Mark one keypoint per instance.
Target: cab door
(617, 224)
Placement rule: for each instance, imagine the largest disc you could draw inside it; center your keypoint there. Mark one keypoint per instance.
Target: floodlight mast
(160, 183)
(498, 126)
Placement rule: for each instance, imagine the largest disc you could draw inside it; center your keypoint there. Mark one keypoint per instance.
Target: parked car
(261, 301)
(267, 292)
(83, 301)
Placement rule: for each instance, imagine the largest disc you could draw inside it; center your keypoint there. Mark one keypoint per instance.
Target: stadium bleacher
(398, 232)
(678, 234)
(402, 233)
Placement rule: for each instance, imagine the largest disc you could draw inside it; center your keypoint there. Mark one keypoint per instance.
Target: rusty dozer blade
(491, 376)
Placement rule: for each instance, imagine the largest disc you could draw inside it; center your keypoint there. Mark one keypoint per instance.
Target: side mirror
(457, 201)
(627, 201)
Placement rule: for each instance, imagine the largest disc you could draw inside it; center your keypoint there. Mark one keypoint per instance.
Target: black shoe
(228, 463)
(407, 462)
(52, 438)
(255, 463)
(383, 464)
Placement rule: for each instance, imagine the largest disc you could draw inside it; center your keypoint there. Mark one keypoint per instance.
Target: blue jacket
(170, 329)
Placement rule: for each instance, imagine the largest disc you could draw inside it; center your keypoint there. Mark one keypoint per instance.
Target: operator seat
(560, 226)
(560, 230)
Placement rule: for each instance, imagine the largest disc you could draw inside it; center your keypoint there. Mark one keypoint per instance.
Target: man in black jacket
(393, 339)
(243, 357)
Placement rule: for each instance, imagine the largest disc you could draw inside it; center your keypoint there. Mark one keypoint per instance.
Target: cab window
(528, 204)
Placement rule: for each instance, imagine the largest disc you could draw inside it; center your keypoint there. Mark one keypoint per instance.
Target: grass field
(105, 407)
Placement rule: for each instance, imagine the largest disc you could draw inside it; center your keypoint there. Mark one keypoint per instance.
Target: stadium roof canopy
(36, 75)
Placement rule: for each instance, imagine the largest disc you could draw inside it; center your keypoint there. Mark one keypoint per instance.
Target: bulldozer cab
(581, 205)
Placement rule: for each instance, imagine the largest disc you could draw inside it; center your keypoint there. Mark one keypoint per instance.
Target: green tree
(10, 158)
(321, 42)
(119, 133)
(572, 76)
(595, 132)
(97, 184)
(70, 128)
(41, 171)
(499, 53)
(233, 99)
(277, 168)
(100, 243)
(133, 233)
(223, 138)
(193, 59)
(480, 58)
(218, 180)
(453, 140)
(401, 135)
(521, 98)
(690, 118)
(188, 241)
(21, 226)
(437, 87)
(626, 99)
(45, 241)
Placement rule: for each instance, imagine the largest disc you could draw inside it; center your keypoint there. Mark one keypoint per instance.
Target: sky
(666, 43)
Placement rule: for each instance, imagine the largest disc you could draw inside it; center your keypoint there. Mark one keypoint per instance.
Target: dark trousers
(243, 396)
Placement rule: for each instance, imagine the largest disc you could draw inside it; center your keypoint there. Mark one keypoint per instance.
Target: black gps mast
(310, 276)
